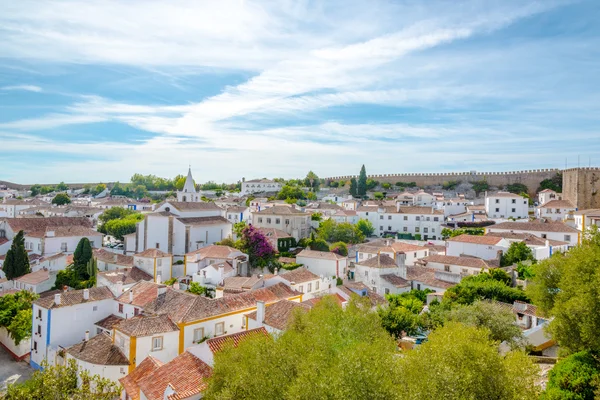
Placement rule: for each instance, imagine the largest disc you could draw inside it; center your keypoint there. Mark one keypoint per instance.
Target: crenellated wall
(582, 186)
(530, 178)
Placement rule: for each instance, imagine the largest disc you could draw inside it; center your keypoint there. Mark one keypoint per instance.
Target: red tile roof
(379, 261)
(186, 374)
(152, 253)
(327, 255)
(299, 275)
(131, 382)
(534, 227)
(145, 325)
(74, 297)
(219, 343)
(278, 315)
(143, 293)
(476, 239)
(471, 262)
(37, 226)
(99, 350)
(126, 275)
(113, 258)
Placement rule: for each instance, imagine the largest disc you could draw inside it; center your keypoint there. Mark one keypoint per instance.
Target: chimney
(221, 272)
(87, 336)
(130, 295)
(158, 279)
(162, 289)
(499, 257)
(260, 312)
(401, 263)
(65, 288)
(119, 288)
(57, 298)
(86, 294)
(547, 243)
(276, 271)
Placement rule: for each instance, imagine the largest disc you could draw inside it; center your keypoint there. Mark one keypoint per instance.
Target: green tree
(372, 184)
(16, 263)
(62, 187)
(378, 196)
(361, 188)
(491, 286)
(318, 245)
(121, 227)
(327, 353)
(238, 227)
(312, 181)
(554, 183)
(98, 189)
(60, 382)
(386, 185)
(353, 187)
(290, 192)
(36, 189)
(15, 314)
(575, 377)
(516, 188)
(340, 248)
(448, 233)
(567, 287)
(61, 199)
(331, 231)
(198, 289)
(480, 186)
(82, 255)
(460, 362)
(450, 185)
(179, 182)
(366, 227)
(517, 252)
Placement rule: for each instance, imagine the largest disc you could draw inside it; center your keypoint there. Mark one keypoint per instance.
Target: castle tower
(188, 194)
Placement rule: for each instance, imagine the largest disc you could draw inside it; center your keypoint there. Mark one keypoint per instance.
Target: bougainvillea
(257, 246)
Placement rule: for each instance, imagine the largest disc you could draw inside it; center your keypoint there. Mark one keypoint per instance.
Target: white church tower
(188, 194)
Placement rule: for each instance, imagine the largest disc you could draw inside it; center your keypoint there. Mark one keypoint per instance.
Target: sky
(99, 90)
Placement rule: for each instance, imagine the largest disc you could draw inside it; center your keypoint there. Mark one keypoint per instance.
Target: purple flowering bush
(257, 246)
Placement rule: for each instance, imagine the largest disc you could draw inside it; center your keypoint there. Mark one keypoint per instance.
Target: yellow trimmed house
(156, 263)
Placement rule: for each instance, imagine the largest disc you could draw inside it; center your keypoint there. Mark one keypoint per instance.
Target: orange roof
(476, 239)
(219, 343)
(186, 374)
(130, 382)
(152, 253)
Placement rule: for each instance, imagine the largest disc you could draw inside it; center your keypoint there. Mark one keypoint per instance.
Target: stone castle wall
(530, 178)
(582, 186)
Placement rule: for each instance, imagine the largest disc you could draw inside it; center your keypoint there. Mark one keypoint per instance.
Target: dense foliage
(16, 263)
(366, 227)
(61, 199)
(60, 382)
(257, 246)
(353, 187)
(517, 252)
(516, 188)
(554, 183)
(339, 248)
(198, 289)
(332, 231)
(494, 285)
(15, 314)
(361, 186)
(448, 233)
(567, 287)
(575, 377)
(119, 221)
(480, 186)
(82, 273)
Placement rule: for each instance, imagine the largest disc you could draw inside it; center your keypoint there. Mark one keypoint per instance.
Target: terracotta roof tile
(426, 276)
(471, 262)
(126, 275)
(213, 220)
(191, 206)
(143, 293)
(535, 227)
(152, 253)
(131, 382)
(37, 226)
(326, 255)
(99, 350)
(476, 239)
(74, 297)
(109, 322)
(113, 258)
(558, 204)
(379, 261)
(221, 342)
(396, 280)
(278, 315)
(504, 194)
(214, 251)
(299, 275)
(186, 374)
(281, 210)
(34, 278)
(145, 325)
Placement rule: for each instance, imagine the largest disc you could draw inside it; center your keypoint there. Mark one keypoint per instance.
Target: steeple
(189, 187)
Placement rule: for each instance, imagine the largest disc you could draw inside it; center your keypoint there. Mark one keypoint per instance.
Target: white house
(323, 208)
(383, 274)
(123, 279)
(504, 205)
(350, 204)
(288, 219)
(323, 263)
(39, 281)
(205, 263)
(416, 221)
(541, 248)
(301, 280)
(485, 247)
(99, 356)
(424, 199)
(391, 247)
(109, 261)
(555, 210)
(349, 216)
(235, 214)
(156, 263)
(549, 230)
(181, 227)
(548, 195)
(452, 206)
(456, 264)
(258, 186)
(61, 320)
(275, 236)
(13, 207)
(583, 219)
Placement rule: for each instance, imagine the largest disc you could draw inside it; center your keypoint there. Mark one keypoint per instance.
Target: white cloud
(27, 88)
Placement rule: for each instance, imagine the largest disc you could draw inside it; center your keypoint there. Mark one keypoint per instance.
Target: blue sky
(99, 90)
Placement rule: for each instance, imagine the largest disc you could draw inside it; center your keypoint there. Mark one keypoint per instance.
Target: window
(366, 274)
(317, 285)
(39, 247)
(39, 329)
(361, 256)
(558, 210)
(157, 245)
(159, 262)
(381, 217)
(567, 238)
(198, 334)
(417, 229)
(95, 308)
(514, 201)
(406, 217)
(268, 220)
(433, 230)
(136, 311)
(436, 219)
(157, 343)
(497, 210)
(387, 291)
(98, 331)
(389, 228)
(418, 218)
(309, 288)
(428, 219)
(260, 220)
(63, 246)
(405, 229)
(301, 288)
(381, 228)
(544, 236)
(389, 217)
(425, 230)
(287, 221)
(92, 243)
(513, 210)
(277, 221)
(39, 314)
(219, 328)
(415, 255)
(447, 268)
(497, 201)
(34, 346)
(121, 308)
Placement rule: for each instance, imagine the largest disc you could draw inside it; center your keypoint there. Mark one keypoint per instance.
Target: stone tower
(581, 186)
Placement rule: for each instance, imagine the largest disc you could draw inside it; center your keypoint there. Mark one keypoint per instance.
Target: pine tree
(362, 182)
(353, 189)
(16, 263)
(81, 257)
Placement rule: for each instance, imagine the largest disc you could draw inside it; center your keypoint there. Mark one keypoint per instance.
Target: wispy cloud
(27, 88)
